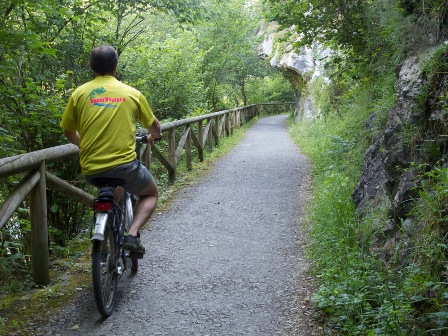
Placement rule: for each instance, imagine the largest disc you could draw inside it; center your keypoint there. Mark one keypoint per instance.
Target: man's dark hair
(103, 60)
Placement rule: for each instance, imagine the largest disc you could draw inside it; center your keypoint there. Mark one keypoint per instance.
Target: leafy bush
(359, 292)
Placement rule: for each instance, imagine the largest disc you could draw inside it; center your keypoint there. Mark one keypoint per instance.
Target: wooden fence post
(210, 134)
(172, 153)
(217, 131)
(39, 230)
(201, 140)
(188, 159)
(227, 124)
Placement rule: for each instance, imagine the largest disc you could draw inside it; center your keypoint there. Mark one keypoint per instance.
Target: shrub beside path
(225, 258)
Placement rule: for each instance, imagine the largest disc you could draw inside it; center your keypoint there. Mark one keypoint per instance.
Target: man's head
(104, 60)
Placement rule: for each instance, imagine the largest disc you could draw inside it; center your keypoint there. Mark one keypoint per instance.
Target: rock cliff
(415, 136)
(414, 139)
(303, 66)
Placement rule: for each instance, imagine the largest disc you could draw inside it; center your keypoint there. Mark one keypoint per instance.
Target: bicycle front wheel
(104, 275)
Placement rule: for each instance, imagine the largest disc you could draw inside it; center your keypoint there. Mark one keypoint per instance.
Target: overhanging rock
(305, 64)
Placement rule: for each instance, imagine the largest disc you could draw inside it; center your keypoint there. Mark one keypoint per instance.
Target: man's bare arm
(155, 131)
(73, 137)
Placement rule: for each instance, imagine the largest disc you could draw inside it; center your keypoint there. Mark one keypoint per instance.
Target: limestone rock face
(415, 133)
(305, 65)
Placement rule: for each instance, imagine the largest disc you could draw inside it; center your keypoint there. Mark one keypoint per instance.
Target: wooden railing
(201, 132)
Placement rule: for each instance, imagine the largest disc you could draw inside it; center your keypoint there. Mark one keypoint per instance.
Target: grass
(20, 299)
(357, 295)
(360, 292)
(338, 264)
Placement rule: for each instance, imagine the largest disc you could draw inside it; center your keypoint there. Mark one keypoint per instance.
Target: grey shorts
(135, 174)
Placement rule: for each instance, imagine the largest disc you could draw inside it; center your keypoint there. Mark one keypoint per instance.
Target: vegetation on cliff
(381, 268)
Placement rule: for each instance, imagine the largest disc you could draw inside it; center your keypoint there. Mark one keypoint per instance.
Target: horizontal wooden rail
(198, 132)
(24, 162)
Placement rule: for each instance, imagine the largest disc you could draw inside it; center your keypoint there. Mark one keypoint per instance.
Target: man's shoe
(133, 244)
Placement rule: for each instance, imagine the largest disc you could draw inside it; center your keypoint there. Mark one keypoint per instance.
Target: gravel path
(226, 258)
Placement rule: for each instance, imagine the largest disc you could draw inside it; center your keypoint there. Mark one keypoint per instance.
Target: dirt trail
(225, 259)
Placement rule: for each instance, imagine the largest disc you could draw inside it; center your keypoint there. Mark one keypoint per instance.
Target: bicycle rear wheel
(104, 275)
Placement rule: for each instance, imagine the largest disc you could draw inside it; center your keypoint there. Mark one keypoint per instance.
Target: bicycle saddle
(107, 182)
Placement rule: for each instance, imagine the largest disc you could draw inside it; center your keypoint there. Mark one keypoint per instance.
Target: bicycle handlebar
(141, 138)
(144, 138)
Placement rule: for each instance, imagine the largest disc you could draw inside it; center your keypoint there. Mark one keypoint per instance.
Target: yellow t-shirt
(104, 111)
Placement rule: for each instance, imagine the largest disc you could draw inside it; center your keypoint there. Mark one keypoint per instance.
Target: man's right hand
(151, 139)
(155, 131)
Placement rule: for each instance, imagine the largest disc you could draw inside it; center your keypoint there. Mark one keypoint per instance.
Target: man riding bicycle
(100, 118)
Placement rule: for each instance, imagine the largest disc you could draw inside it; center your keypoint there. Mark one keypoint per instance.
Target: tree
(229, 42)
(368, 33)
(44, 50)
(187, 56)
(129, 17)
(165, 65)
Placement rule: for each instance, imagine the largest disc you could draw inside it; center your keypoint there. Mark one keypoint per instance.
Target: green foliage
(358, 292)
(373, 36)
(14, 252)
(230, 60)
(188, 57)
(171, 61)
(432, 211)
(427, 281)
(272, 88)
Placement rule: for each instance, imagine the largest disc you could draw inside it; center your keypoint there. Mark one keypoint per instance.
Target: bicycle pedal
(136, 255)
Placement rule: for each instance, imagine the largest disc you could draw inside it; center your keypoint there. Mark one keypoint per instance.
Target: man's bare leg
(145, 207)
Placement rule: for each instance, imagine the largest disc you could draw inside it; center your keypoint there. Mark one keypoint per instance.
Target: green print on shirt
(96, 92)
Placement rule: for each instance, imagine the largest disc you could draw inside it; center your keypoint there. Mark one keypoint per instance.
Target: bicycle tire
(104, 276)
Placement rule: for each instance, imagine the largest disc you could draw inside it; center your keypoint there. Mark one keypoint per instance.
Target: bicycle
(111, 223)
